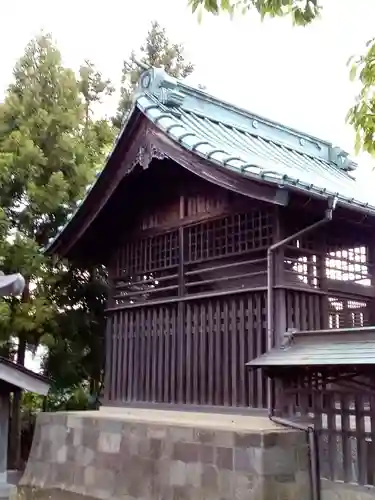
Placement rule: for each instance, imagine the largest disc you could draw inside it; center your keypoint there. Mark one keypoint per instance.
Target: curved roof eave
(130, 123)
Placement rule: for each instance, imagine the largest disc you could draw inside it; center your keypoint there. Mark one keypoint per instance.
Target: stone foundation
(167, 455)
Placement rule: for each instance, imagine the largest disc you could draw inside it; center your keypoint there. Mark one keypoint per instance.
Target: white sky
(297, 76)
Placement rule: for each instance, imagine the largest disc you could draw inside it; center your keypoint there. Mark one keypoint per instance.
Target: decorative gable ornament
(341, 159)
(158, 83)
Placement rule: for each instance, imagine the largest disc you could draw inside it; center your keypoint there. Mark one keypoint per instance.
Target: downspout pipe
(309, 429)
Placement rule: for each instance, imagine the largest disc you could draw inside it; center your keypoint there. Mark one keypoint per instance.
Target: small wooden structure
(13, 378)
(220, 230)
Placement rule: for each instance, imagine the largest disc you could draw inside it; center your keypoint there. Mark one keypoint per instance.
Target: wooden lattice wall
(189, 310)
(343, 414)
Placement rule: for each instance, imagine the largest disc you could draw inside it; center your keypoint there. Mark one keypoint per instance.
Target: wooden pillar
(279, 295)
(4, 422)
(322, 276)
(181, 386)
(279, 320)
(371, 272)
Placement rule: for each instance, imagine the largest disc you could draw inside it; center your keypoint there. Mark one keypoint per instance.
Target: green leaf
(353, 72)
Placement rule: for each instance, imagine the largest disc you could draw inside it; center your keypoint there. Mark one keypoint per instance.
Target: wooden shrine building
(221, 231)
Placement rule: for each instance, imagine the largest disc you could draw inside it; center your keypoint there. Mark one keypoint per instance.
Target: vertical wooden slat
(114, 358)
(242, 352)
(188, 360)
(360, 435)
(345, 434)
(120, 356)
(259, 340)
(251, 349)
(218, 354)
(226, 352)
(125, 365)
(160, 353)
(331, 433)
(318, 315)
(148, 360)
(195, 353)
(108, 356)
(167, 357)
(137, 360)
(174, 373)
(297, 311)
(289, 305)
(310, 313)
(181, 339)
(130, 356)
(142, 332)
(263, 336)
(203, 360)
(303, 306)
(211, 353)
(234, 358)
(154, 355)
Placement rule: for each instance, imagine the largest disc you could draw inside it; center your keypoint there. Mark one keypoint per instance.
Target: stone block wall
(112, 458)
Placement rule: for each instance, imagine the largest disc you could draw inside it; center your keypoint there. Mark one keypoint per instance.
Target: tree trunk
(15, 428)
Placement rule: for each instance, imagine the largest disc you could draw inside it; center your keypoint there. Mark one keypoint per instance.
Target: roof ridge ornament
(158, 83)
(341, 159)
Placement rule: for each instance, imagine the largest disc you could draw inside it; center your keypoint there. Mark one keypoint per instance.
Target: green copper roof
(254, 146)
(352, 346)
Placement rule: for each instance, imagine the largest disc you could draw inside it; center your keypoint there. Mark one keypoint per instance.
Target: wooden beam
(349, 288)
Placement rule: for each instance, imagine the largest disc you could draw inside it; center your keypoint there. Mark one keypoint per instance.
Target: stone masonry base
(167, 455)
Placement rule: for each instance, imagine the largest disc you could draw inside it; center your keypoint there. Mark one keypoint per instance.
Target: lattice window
(347, 313)
(147, 268)
(149, 254)
(303, 260)
(348, 265)
(302, 270)
(229, 235)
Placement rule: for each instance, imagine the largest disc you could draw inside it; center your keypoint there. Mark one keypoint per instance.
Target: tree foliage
(50, 150)
(75, 349)
(158, 51)
(362, 113)
(302, 12)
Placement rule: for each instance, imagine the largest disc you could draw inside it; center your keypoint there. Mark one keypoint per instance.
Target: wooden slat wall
(204, 363)
(343, 417)
(303, 310)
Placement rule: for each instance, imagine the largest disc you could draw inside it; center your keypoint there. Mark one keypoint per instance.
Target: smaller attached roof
(19, 376)
(351, 346)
